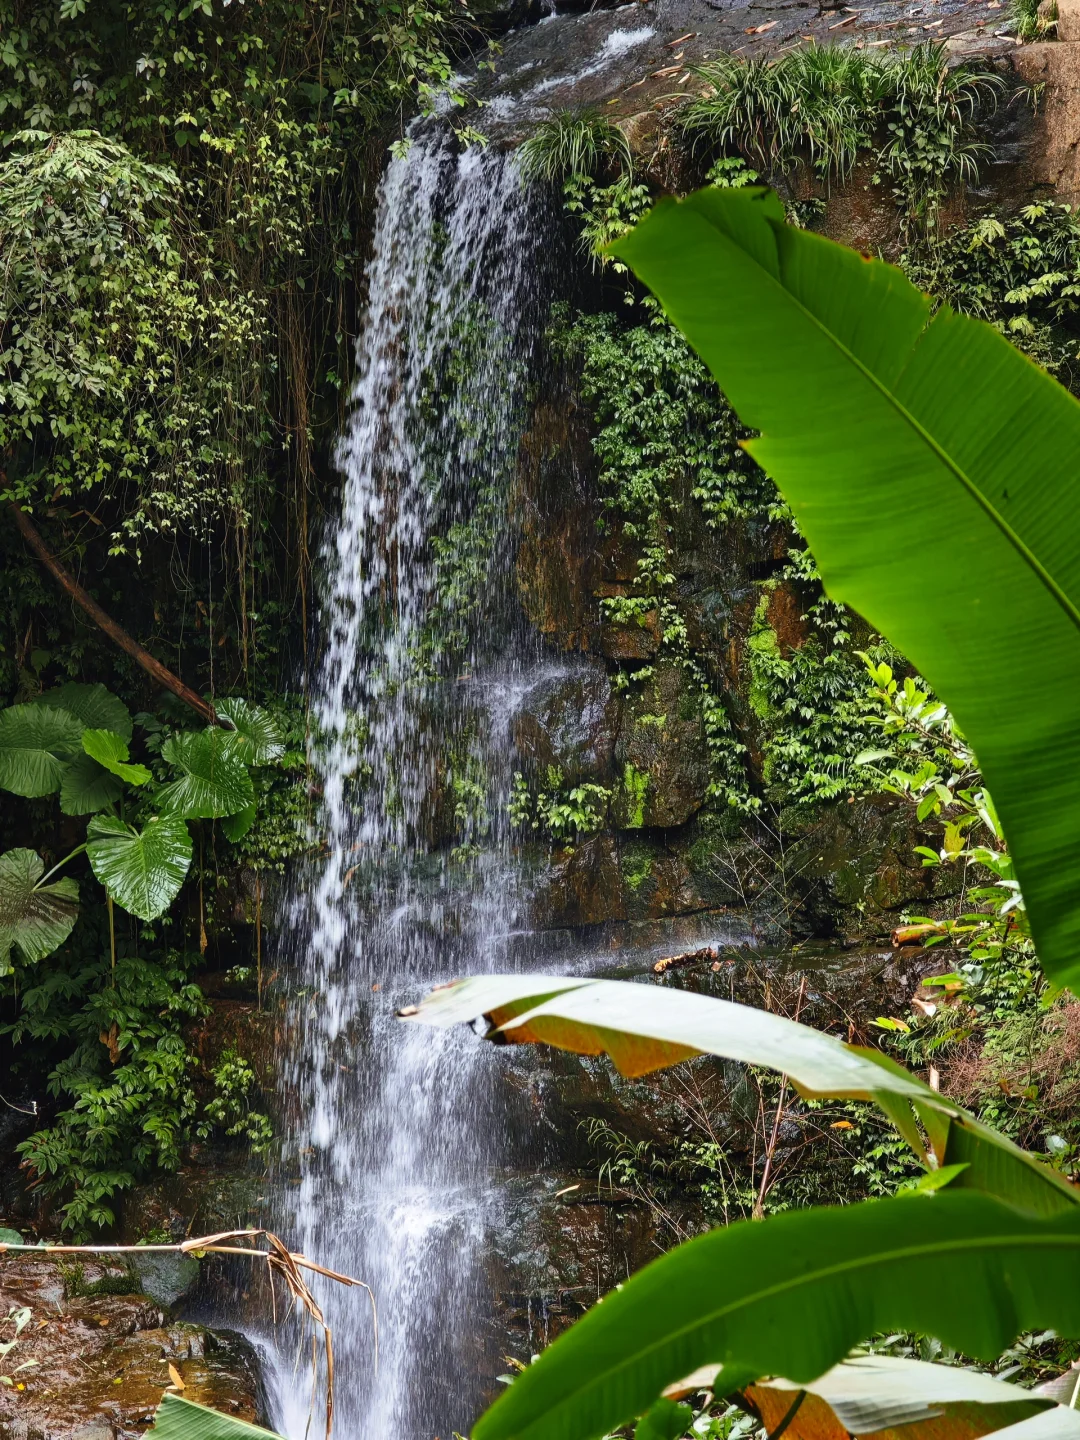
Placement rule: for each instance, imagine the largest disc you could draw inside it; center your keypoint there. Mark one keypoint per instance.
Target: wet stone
(97, 1363)
(569, 721)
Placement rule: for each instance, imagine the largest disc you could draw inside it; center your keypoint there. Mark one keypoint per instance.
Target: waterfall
(393, 1129)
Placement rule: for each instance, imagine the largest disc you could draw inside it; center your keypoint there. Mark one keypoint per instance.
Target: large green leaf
(141, 869)
(111, 753)
(36, 917)
(36, 742)
(96, 707)
(256, 739)
(645, 1027)
(86, 786)
(213, 781)
(180, 1419)
(869, 1394)
(791, 1295)
(930, 466)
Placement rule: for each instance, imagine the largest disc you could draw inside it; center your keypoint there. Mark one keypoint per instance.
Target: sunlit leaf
(646, 1027)
(142, 870)
(37, 918)
(36, 741)
(880, 1394)
(872, 412)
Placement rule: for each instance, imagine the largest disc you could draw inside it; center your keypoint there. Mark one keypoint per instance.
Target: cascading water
(394, 1142)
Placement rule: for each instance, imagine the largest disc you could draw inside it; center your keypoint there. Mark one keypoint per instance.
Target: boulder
(569, 721)
(662, 736)
(100, 1359)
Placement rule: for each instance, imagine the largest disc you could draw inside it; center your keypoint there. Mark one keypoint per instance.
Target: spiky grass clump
(574, 143)
(822, 105)
(818, 104)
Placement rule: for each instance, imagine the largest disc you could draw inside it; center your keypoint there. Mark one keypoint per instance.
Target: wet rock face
(570, 722)
(101, 1359)
(662, 736)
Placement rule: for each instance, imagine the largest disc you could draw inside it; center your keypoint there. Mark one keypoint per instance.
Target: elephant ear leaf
(180, 1419)
(237, 826)
(111, 753)
(142, 870)
(87, 786)
(256, 739)
(36, 742)
(38, 918)
(213, 781)
(925, 459)
(96, 707)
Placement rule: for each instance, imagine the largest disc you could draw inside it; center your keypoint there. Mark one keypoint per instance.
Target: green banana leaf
(142, 870)
(180, 1419)
(212, 783)
(791, 1295)
(665, 1421)
(38, 918)
(932, 468)
(646, 1027)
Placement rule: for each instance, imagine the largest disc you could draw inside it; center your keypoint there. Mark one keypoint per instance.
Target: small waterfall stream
(395, 1134)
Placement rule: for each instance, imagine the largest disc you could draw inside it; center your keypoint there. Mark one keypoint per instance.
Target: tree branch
(115, 632)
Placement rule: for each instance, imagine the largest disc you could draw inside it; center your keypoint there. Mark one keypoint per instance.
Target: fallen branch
(105, 622)
(280, 1261)
(687, 957)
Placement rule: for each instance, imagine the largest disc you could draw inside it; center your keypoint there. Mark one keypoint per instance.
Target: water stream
(423, 658)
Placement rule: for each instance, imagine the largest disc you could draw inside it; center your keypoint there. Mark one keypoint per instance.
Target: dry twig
(281, 1262)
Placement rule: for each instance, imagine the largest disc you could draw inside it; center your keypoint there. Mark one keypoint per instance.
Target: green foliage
(943, 402)
(824, 105)
(231, 1109)
(213, 782)
(815, 707)
(790, 1295)
(1020, 271)
(35, 916)
(125, 1075)
(99, 310)
(142, 870)
(604, 212)
(559, 812)
(36, 741)
(1028, 24)
(574, 144)
(819, 103)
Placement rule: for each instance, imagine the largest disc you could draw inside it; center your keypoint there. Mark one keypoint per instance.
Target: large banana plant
(933, 469)
(930, 467)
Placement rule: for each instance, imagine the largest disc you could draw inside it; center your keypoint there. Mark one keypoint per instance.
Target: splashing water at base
(394, 1128)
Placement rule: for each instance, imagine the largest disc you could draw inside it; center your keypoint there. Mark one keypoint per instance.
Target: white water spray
(394, 1139)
